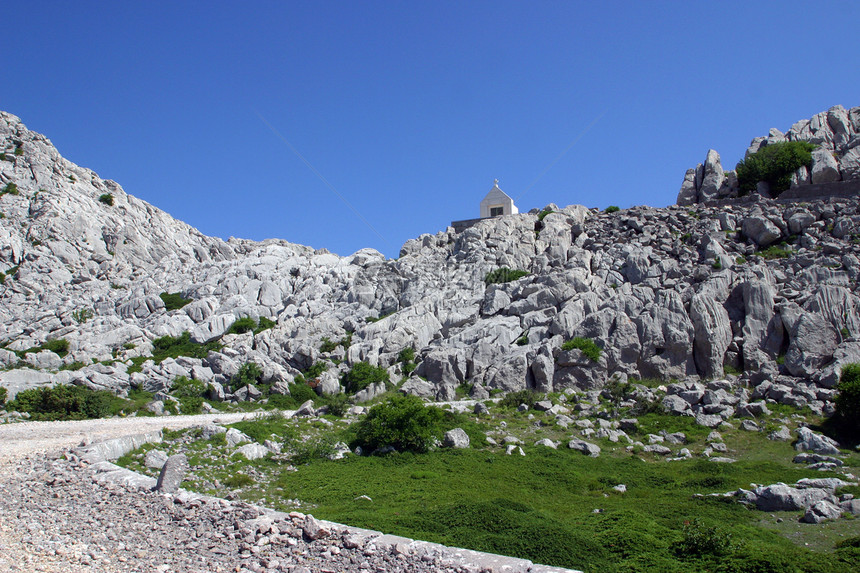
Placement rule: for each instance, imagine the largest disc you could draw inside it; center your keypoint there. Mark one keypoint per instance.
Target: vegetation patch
(585, 345)
(362, 375)
(773, 164)
(504, 275)
(106, 198)
(66, 402)
(173, 300)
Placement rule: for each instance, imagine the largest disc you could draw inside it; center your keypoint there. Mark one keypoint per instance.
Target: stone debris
(68, 520)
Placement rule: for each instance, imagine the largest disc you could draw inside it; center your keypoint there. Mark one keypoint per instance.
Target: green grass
(775, 252)
(555, 507)
(173, 300)
(504, 275)
(587, 346)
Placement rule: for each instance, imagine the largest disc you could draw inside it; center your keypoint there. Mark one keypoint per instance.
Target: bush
(585, 345)
(59, 346)
(301, 393)
(700, 540)
(248, 373)
(184, 387)
(11, 189)
(106, 198)
(612, 209)
(242, 325)
(173, 300)
(64, 402)
(504, 275)
(847, 414)
(3, 394)
(544, 213)
(82, 315)
(362, 375)
(327, 345)
(315, 370)
(402, 422)
(407, 359)
(774, 164)
(264, 324)
(174, 347)
(514, 399)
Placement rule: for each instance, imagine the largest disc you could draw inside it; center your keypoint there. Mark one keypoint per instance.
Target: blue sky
(410, 110)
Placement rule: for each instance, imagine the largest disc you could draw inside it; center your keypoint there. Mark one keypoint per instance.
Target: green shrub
(174, 347)
(264, 324)
(700, 540)
(514, 399)
(242, 325)
(775, 252)
(847, 414)
(3, 394)
(82, 315)
(248, 373)
(327, 345)
(59, 346)
(402, 422)
(301, 393)
(315, 370)
(407, 359)
(64, 402)
(106, 198)
(774, 164)
(173, 300)
(544, 213)
(504, 275)
(362, 375)
(11, 189)
(73, 366)
(238, 480)
(322, 447)
(585, 345)
(337, 405)
(19, 150)
(612, 209)
(184, 387)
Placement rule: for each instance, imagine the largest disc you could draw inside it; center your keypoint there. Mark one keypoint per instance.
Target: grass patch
(173, 300)
(585, 345)
(504, 275)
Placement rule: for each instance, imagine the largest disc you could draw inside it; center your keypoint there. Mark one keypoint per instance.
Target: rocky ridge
(688, 293)
(836, 132)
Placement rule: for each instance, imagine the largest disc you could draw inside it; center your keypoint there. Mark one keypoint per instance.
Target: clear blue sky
(411, 109)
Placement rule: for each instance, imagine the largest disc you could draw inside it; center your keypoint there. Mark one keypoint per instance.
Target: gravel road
(24, 438)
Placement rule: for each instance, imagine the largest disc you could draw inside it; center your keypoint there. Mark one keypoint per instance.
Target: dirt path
(25, 438)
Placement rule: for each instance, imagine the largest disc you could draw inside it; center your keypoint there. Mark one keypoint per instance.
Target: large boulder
(713, 178)
(809, 441)
(713, 334)
(813, 342)
(761, 230)
(456, 438)
(825, 169)
(172, 473)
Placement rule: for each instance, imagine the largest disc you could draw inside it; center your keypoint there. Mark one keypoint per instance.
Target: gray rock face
(824, 167)
(836, 158)
(664, 293)
(172, 473)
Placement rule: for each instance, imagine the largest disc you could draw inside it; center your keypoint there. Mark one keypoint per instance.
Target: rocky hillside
(760, 292)
(835, 133)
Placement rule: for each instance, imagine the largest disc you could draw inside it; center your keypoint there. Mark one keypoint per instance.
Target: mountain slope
(678, 292)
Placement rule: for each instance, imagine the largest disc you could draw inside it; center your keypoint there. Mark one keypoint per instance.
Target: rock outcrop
(835, 132)
(678, 292)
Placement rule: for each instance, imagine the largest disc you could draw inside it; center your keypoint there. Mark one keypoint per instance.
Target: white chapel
(497, 203)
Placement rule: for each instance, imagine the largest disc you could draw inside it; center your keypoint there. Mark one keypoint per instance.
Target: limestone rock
(172, 473)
